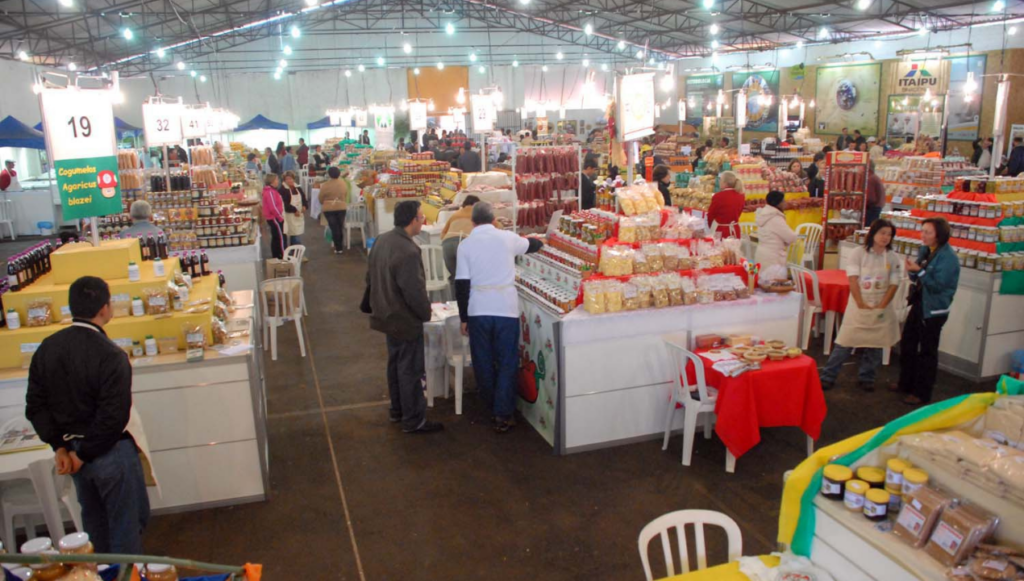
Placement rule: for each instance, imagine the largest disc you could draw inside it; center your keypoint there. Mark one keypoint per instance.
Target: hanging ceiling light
(416, 71)
(362, 68)
(863, 4)
(799, 44)
(1011, 31)
(823, 33)
(515, 63)
(277, 75)
(586, 63)
(604, 67)
(482, 69)
(281, 63)
(22, 55)
(287, 50)
(407, 48)
(128, 34)
(559, 55)
(621, 45)
(472, 57)
(544, 68)
(72, 67)
(708, 4)
(449, 29)
(713, 29)
(380, 61)
(588, 29)
(348, 73)
(192, 74)
(67, 3)
(310, 3)
(639, 55)
(180, 65)
(998, 6)
(161, 53)
(296, 32)
(923, 31)
(715, 44)
(202, 78)
(440, 66)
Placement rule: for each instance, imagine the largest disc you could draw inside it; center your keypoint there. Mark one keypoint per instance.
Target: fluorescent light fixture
(202, 78)
(287, 50)
(713, 29)
(67, 3)
(22, 55)
(296, 32)
(449, 29)
(482, 69)
(863, 4)
(416, 71)
(559, 55)
(823, 33)
(348, 73)
(998, 6)
(544, 68)
(128, 34)
(277, 75)
(180, 65)
(588, 29)
(639, 55)
(604, 67)
(515, 63)
(407, 48)
(192, 74)
(708, 4)
(621, 45)
(282, 63)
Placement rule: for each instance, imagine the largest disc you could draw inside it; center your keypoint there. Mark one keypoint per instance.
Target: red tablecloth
(781, 393)
(835, 289)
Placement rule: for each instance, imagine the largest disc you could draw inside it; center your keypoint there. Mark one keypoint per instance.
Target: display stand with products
(197, 370)
(546, 179)
(914, 177)
(844, 199)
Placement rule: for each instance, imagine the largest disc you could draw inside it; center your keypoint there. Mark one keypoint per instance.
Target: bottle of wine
(161, 245)
(151, 243)
(13, 276)
(204, 263)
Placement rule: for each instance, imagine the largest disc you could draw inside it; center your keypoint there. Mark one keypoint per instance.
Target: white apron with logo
(872, 328)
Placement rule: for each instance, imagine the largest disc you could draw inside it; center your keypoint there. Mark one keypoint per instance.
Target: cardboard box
(277, 268)
(708, 341)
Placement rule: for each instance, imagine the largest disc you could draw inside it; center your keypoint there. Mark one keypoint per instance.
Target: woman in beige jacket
(773, 233)
(334, 202)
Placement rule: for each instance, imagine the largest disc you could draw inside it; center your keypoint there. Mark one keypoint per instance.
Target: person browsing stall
(288, 163)
(934, 277)
(870, 323)
(774, 236)
(333, 198)
(727, 205)
(397, 302)
(79, 401)
(469, 161)
(458, 227)
(295, 205)
(663, 178)
(273, 212)
(588, 189)
(489, 309)
(875, 194)
(9, 177)
(303, 153)
(142, 224)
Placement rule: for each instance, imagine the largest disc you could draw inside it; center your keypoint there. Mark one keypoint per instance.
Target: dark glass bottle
(220, 277)
(161, 245)
(204, 263)
(151, 243)
(13, 276)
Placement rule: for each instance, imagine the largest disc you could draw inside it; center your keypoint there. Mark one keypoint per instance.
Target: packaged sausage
(921, 511)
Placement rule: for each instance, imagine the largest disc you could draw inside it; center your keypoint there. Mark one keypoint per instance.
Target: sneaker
(426, 428)
(867, 386)
(394, 418)
(339, 251)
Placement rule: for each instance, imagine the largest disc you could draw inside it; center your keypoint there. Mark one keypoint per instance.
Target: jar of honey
(78, 544)
(156, 572)
(853, 497)
(894, 470)
(875, 477)
(834, 479)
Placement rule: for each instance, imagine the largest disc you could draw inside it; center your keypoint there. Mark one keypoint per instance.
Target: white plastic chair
(355, 218)
(457, 358)
(694, 399)
(812, 234)
(294, 254)
(434, 268)
(899, 301)
(7, 218)
(18, 500)
(661, 527)
(813, 307)
(795, 253)
(287, 307)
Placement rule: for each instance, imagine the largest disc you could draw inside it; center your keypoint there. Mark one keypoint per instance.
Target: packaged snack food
(644, 292)
(220, 311)
(659, 291)
(958, 532)
(220, 332)
(40, 312)
(224, 297)
(617, 261)
(921, 510)
(613, 296)
(195, 342)
(655, 259)
(156, 301)
(593, 297)
(689, 291)
(670, 256)
(167, 344)
(675, 289)
(630, 300)
(640, 264)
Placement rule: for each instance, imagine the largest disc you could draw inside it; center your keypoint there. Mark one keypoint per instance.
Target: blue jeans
(115, 506)
(870, 359)
(494, 347)
(293, 240)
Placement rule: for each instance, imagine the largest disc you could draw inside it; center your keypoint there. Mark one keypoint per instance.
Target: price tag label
(79, 127)
(162, 122)
(193, 123)
(897, 199)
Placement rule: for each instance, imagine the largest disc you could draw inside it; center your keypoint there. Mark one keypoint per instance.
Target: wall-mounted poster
(965, 118)
(907, 116)
(701, 90)
(760, 117)
(920, 77)
(848, 96)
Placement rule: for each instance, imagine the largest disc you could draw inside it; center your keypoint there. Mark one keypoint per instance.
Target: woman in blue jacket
(934, 277)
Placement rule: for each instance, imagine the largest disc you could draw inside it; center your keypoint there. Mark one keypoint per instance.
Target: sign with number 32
(162, 122)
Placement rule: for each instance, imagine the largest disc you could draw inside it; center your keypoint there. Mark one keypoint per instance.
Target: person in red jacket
(727, 205)
(303, 153)
(8, 175)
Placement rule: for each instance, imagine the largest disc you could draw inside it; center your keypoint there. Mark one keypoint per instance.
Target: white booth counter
(242, 265)
(984, 327)
(33, 203)
(205, 422)
(604, 380)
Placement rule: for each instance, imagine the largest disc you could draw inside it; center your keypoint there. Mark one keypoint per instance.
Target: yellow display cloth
(793, 217)
(728, 572)
(431, 212)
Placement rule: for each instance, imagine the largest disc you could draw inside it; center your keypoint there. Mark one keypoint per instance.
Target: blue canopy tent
(124, 128)
(324, 123)
(261, 122)
(14, 133)
(38, 126)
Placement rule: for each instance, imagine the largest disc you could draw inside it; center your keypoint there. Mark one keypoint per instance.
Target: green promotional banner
(88, 187)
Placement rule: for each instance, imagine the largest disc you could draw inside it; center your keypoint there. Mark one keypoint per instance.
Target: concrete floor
(354, 498)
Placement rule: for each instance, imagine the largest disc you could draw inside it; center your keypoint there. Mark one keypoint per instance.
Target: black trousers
(336, 222)
(276, 238)
(919, 352)
(406, 368)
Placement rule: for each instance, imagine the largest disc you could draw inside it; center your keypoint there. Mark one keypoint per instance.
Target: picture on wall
(760, 117)
(701, 91)
(965, 118)
(848, 96)
(909, 116)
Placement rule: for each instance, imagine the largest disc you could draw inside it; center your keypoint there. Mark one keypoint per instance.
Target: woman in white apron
(294, 207)
(870, 323)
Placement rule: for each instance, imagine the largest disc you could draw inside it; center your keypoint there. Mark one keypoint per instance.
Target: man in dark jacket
(399, 305)
(588, 189)
(449, 154)
(469, 161)
(79, 400)
(1015, 165)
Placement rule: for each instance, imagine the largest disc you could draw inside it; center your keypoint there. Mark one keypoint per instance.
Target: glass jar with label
(156, 572)
(78, 544)
(43, 571)
(876, 504)
(894, 470)
(875, 477)
(913, 478)
(853, 496)
(834, 479)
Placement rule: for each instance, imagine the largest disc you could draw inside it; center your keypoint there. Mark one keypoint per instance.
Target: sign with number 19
(79, 127)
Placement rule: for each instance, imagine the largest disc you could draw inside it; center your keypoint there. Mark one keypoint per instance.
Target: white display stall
(610, 374)
(205, 422)
(984, 327)
(242, 265)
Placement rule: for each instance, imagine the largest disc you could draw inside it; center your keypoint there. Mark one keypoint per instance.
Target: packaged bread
(40, 312)
(670, 256)
(921, 510)
(992, 566)
(593, 297)
(644, 291)
(655, 260)
(630, 299)
(220, 332)
(959, 530)
(1004, 425)
(659, 291)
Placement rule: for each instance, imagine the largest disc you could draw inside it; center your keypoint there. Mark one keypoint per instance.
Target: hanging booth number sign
(193, 123)
(162, 123)
(79, 128)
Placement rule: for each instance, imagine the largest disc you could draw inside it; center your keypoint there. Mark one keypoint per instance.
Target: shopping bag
(328, 237)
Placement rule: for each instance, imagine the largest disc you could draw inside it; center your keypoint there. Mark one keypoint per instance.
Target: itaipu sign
(918, 77)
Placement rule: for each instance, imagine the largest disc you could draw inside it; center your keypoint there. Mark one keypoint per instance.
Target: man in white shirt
(489, 309)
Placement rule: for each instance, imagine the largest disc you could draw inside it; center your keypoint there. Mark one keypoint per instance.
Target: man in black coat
(79, 401)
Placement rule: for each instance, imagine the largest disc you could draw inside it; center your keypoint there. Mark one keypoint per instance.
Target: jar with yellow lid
(875, 477)
(78, 544)
(894, 469)
(833, 481)
(876, 504)
(157, 572)
(913, 478)
(853, 497)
